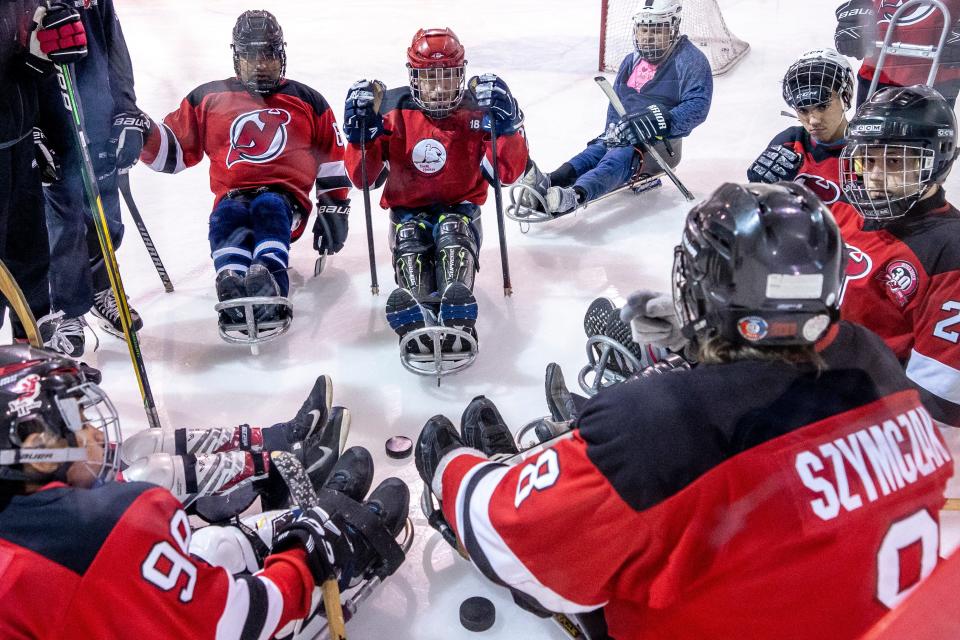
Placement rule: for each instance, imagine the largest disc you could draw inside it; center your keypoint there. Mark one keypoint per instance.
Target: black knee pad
(413, 258)
(457, 252)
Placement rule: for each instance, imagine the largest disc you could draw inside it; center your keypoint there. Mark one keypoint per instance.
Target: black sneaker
(352, 475)
(406, 314)
(230, 287)
(105, 310)
(564, 406)
(458, 310)
(259, 282)
(482, 427)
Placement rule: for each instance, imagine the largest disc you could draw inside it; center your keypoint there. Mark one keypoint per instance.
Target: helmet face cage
(884, 181)
(437, 90)
(258, 36)
(811, 83)
(655, 34)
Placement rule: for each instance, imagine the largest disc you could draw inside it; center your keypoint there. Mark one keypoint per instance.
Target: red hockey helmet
(436, 61)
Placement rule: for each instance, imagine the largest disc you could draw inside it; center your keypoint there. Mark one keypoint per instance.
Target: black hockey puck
(477, 614)
(399, 447)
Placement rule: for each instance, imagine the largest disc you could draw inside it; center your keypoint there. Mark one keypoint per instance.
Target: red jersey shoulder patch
(258, 136)
(901, 279)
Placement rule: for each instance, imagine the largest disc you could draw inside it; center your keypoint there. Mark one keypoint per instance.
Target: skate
(561, 200)
(64, 335)
(563, 405)
(260, 314)
(406, 315)
(106, 311)
(482, 427)
(527, 203)
(260, 283)
(352, 475)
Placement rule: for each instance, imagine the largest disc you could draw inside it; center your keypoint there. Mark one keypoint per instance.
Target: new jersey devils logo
(429, 156)
(859, 265)
(27, 391)
(826, 190)
(258, 136)
(918, 14)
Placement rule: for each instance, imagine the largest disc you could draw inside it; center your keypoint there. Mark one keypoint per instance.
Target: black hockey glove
(331, 227)
(47, 160)
(856, 32)
(775, 164)
(127, 136)
(361, 112)
(493, 95)
(57, 36)
(327, 546)
(652, 124)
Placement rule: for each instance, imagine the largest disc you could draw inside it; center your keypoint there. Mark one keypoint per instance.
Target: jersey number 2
(165, 564)
(942, 330)
(919, 528)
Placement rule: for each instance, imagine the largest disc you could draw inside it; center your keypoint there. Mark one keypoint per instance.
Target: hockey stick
(123, 180)
(18, 305)
(72, 101)
(303, 493)
(374, 285)
(646, 148)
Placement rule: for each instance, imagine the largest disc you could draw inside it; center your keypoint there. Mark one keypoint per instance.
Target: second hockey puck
(399, 447)
(477, 614)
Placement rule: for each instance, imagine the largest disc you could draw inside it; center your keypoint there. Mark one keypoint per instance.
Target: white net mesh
(702, 23)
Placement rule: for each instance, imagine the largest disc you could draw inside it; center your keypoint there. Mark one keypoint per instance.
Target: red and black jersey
(920, 25)
(903, 281)
(743, 500)
(112, 562)
(288, 139)
(428, 161)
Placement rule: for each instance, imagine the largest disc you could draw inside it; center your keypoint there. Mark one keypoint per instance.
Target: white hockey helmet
(815, 76)
(656, 28)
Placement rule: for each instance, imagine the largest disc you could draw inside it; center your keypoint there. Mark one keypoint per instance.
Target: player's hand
(652, 124)
(47, 160)
(328, 548)
(361, 111)
(856, 32)
(127, 136)
(331, 227)
(653, 320)
(493, 95)
(58, 35)
(775, 164)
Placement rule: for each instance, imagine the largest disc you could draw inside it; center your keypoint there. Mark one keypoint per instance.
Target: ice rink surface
(547, 52)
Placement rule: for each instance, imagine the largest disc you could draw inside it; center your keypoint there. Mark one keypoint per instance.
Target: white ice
(547, 51)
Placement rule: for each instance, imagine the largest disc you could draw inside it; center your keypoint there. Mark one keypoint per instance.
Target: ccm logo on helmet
(258, 136)
(867, 128)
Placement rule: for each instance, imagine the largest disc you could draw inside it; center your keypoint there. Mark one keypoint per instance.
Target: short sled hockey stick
(72, 102)
(647, 149)
(18, 304)
(302, 492)
(367, 214)
(123, 180)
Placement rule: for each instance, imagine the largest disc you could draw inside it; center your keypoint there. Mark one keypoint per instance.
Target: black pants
(948, 90)
(23, 229)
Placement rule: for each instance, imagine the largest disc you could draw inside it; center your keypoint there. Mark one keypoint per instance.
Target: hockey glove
(775, 164)
(47, 160)
(331, 227)
(361, 112)
(646, 126)
(951, 49)
(328, 548)
(127, 136)
(493, 95)
(653, 320)
(856, 31)
(57, 37)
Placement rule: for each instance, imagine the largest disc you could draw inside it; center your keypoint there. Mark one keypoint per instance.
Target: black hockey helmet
(902, 141)
(45, 393)
(258, 34)
(759, 265)
(815, 77)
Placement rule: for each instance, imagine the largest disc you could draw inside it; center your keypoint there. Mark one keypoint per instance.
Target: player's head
(656, 28)
(54, 424)
(900, 146)
(436, 62)
(259, 56)
(758, 272)
(819, 85)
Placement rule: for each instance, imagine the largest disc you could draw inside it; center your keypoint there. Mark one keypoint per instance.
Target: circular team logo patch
(429, 156)
(753, 328)
(902, 281)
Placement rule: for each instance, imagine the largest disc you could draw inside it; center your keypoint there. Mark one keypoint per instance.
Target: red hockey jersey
(428, 161)
(112, 562)
(920, 25)
(288, 139)
(745, 500)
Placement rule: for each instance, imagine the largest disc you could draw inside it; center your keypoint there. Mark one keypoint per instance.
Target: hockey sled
(438, 363)
(639, 183)
(608, 357)
(252, 333)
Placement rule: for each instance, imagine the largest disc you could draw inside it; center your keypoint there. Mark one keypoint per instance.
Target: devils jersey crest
(916, 15)
(258, 136)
